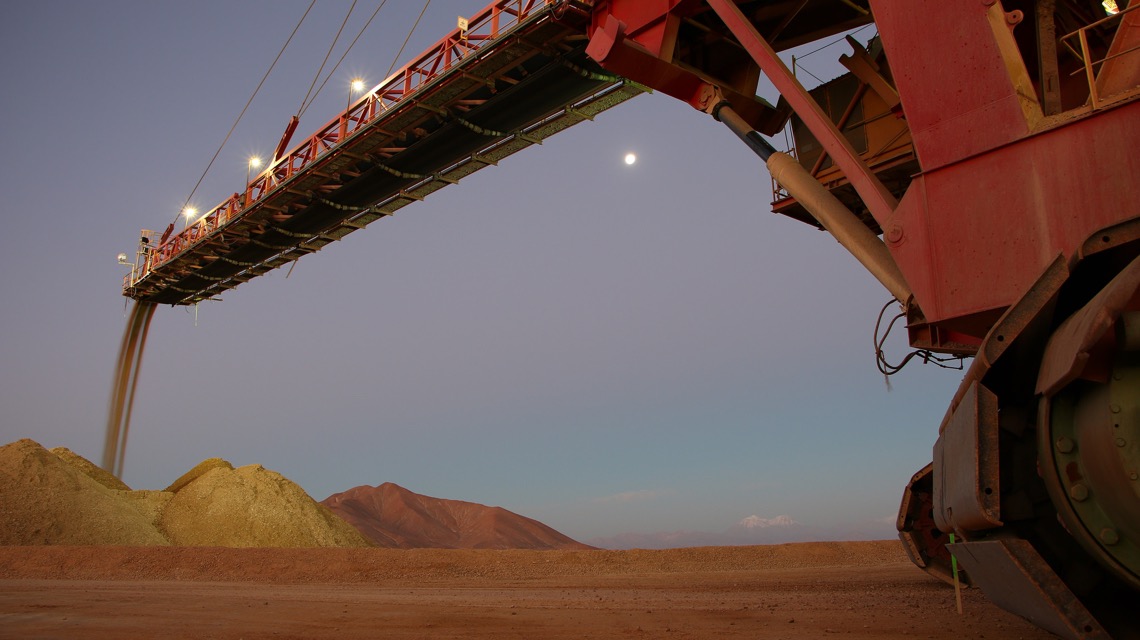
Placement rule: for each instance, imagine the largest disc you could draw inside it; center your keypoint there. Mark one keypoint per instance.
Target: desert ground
(811, 590)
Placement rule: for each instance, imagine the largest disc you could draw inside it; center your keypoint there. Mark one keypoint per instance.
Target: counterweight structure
(980, 159)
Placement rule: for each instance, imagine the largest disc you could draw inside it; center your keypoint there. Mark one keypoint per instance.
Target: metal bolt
(1134, 475)
(1065, 445)
(1115, 408)
(1079, 492)
(1120, 442)
(1109, 536)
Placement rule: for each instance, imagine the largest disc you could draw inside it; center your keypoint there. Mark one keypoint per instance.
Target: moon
(630, 158)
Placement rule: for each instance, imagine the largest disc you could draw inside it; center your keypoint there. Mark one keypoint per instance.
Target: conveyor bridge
(516, 75)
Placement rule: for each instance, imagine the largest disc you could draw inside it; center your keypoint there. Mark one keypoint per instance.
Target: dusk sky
(605, 348)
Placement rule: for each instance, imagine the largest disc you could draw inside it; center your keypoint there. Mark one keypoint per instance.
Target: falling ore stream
(123, 389)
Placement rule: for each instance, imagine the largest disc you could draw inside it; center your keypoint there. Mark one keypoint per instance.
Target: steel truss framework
(300, 203)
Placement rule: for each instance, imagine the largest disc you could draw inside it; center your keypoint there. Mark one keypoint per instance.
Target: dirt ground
(815, 590)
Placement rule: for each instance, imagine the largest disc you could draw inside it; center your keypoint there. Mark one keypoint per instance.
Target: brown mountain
(392, 516)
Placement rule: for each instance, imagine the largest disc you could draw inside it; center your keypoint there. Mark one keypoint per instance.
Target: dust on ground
(853, 590)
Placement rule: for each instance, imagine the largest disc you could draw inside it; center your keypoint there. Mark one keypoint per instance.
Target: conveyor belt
(392, 148)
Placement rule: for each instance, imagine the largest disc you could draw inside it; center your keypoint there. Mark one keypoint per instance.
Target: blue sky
(607, 349)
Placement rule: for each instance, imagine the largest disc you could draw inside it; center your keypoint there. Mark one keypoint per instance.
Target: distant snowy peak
(756, 522)
(750, 530)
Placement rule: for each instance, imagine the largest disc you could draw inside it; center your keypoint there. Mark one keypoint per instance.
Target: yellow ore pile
(59, 497)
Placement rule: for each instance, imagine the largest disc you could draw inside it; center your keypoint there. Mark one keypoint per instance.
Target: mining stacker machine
(980, 160)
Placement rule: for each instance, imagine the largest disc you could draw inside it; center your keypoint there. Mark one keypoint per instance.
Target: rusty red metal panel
(973, 236)
(651, 23)
(1121, 70)
(1072, 350)
(637, 40)
(924, 544)
(966, 479)
(1015, 577)
(957, 93)
(612, 46)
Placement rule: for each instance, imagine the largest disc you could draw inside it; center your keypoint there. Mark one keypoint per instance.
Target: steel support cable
(394, 60)
(243, 110)
(317, 75)
(343, 56)
(410, 32)
(836, 41)
(805, 70)
(796, 59)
